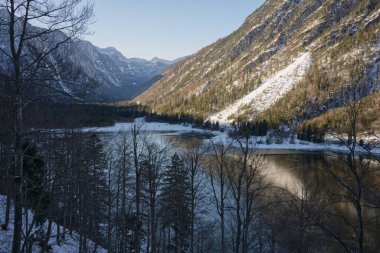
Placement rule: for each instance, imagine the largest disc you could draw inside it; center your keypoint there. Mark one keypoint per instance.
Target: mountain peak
(110, 49)
(156, 60)
(112, 52)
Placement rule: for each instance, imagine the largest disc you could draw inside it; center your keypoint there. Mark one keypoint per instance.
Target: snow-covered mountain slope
(120, 78)
(220, 80)
(103, 74)
(269, 91)
(68, 245)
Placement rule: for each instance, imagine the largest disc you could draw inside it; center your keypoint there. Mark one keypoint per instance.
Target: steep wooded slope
(221, 80)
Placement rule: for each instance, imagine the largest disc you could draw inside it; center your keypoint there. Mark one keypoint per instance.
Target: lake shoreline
(221, 137)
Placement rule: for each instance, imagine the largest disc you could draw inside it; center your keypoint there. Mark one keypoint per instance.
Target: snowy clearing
(270, 91)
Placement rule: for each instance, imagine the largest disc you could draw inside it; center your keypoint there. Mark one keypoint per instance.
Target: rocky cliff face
(271, 55)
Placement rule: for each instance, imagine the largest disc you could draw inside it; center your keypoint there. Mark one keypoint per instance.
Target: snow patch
(68, 245)
(270, 91)
(63, 86)
(372, 18)
(198, 90)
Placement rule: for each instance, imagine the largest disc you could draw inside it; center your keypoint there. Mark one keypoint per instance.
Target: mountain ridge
(105, 74)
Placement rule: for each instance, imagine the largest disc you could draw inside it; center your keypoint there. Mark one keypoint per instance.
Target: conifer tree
(176, 201)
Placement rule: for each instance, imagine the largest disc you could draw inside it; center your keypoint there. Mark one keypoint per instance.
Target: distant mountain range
(290, 60)
(120, 78)
(111, 76)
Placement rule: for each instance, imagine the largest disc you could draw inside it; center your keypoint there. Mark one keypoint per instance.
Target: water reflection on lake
(283, 168)
(293, 169)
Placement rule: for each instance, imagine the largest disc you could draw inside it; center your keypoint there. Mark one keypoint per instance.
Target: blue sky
(166, 28)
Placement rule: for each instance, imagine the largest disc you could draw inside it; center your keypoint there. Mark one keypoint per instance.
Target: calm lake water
(285, 168)
(289, 169)
(296, 170)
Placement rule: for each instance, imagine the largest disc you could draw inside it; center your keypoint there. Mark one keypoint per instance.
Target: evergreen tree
(176, 204)
(309, 133)
(34, 175)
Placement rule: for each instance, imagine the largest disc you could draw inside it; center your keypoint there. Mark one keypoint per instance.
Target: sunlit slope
(240, 76)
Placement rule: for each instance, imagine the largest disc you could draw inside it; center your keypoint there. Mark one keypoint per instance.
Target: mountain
(167, 62)
(289, 60)
(104, 74)
(120, 78)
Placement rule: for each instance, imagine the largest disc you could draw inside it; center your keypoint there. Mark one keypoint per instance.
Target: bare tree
(195, 162)
(28, 53)
(122, 182)
(110, 199)
(152, 169)
(219, 176)
(248, 189)
(137, 155)
(355, 187)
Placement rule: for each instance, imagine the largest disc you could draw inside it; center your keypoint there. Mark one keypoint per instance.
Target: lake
(293, 167)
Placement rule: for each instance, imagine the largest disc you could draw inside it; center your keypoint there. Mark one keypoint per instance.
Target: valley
(266, 140)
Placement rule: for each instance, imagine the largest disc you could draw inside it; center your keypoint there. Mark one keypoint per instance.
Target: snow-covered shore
(258, 143)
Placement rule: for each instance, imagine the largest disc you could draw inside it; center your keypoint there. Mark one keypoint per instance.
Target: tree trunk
(123, 200)
(222, 219)
(109, 218)
(7, 210)
(8, 189)
(360, 223)
(238, 217)
(47, 237)
(26, 225)
(18, 178)
(58, 235)
(153, 229)
(138, 189)
(192, 207)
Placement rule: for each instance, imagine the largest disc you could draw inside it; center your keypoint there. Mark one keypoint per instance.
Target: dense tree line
(58, 115)
(257, 128)
(311, 133)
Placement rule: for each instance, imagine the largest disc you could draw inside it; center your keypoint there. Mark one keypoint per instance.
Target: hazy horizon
(166, 29)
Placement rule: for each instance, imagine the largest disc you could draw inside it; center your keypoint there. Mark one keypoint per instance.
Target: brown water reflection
(290, 170)
(294, 171)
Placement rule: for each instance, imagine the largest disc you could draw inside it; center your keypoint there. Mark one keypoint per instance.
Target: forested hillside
(261, 68)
